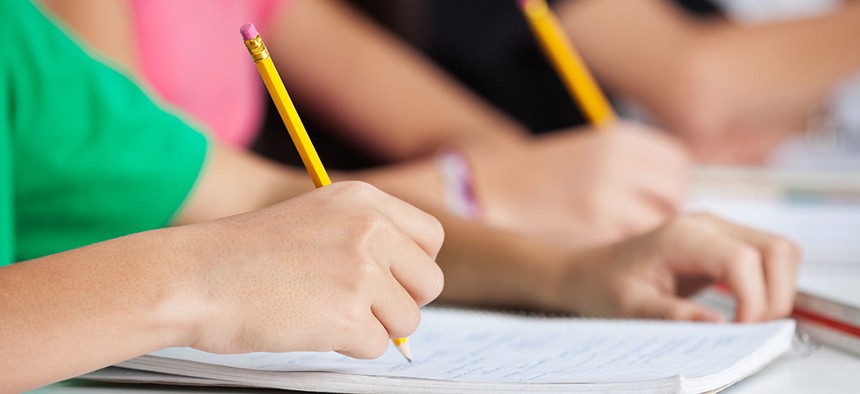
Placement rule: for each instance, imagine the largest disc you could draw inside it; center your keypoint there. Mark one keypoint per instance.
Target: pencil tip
(404, 349)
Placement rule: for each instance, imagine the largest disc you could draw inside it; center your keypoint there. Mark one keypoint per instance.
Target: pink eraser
(248, 31)
(522, 3)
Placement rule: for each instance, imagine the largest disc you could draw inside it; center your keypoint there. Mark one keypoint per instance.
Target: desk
(824, 371)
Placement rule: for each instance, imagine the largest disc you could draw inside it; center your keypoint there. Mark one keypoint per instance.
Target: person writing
(344, 268)
(386, 101)
(86, 156)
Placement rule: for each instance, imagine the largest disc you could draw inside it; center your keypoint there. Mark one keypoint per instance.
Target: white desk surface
(824, 370)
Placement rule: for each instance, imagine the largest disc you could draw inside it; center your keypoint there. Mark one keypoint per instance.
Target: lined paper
(461, 346)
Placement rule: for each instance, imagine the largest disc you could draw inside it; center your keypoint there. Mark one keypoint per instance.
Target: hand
(585, 187)
(649, 276)
(342, 268)
(747, 143)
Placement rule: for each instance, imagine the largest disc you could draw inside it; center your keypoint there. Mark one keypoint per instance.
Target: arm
(590, 187)
(706, 79)
(239, 182)
(574, 188)
(238, 285)
(107, 26)
(390, 98)
(648, 276)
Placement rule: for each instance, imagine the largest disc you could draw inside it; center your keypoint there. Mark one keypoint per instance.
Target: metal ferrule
(257, 49)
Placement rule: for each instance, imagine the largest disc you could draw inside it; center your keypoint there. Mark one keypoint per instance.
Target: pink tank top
(193, 56)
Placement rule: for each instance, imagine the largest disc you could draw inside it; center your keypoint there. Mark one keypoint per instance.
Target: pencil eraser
(248, 31)
(522, 3)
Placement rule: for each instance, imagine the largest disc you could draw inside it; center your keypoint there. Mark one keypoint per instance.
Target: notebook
(470, 351)
(820, 210)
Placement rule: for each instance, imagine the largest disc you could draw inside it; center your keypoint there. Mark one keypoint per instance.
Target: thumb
(673, 308)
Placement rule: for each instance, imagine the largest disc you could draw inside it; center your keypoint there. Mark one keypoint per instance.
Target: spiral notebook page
(455, 345)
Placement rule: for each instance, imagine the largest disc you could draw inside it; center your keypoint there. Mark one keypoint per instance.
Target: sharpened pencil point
(403, 347)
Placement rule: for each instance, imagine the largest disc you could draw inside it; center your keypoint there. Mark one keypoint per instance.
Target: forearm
(392, 100)
(77, 311)
(234, 181)
(490, 267)
(693, 74)
(778, 69)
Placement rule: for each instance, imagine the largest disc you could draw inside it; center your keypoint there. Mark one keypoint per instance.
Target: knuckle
(407, 322)
(356, 190)
(364, 273)
(784, 250)
(371, 229)
(437, 233)
(742, 256)
(372, 222)
(433, 285)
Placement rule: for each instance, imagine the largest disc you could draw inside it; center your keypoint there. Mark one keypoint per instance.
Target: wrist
(572, 288)
(458, 187)
(177, 272)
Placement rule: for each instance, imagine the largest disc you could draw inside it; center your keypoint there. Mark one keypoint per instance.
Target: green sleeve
(6, 217)
(93, 157)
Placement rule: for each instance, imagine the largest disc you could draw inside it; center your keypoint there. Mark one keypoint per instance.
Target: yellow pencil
(567, 62)
(294, 124)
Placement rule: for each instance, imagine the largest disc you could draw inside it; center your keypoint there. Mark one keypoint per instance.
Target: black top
(497, 58)
(501, 60)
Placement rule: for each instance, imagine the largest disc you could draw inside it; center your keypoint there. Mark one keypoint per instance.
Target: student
(535, 190)
(732, 90)
(283, 278)
(86, 156)
(577, 188)
(741, 88)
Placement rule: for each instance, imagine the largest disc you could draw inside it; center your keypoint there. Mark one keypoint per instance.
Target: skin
(200, 284)
(484, 265)
(235, 285)
(731, 91)
(572, 187)
(649, 276)
(584, 188)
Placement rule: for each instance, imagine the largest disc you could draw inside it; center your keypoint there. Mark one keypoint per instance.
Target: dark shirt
(486, 45)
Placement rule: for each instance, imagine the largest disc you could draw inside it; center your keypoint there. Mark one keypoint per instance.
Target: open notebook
(459, 350)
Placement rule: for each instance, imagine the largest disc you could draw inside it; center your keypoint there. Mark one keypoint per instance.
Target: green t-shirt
(85, 155)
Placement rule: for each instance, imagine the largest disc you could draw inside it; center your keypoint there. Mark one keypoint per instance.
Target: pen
(291, 119)
(567, 62)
